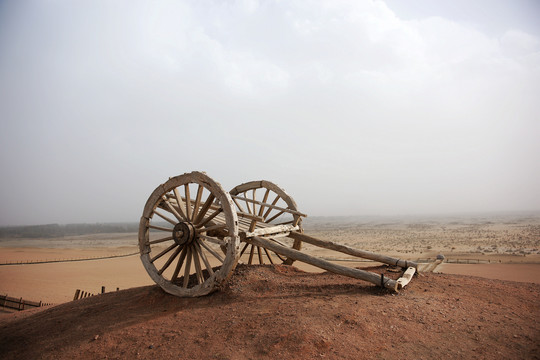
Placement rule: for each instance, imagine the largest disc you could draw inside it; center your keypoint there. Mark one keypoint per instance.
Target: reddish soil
(269, 312)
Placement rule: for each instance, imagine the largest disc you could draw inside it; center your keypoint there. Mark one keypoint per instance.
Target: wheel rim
(188, 235)
(265, 192)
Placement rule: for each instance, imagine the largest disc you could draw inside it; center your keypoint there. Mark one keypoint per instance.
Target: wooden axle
(352, 251)
(376, 279)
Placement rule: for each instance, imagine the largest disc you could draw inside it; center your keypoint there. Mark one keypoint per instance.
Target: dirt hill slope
(269, 312)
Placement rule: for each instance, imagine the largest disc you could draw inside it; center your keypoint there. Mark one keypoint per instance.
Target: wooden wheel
(186, 224)
(247, 199)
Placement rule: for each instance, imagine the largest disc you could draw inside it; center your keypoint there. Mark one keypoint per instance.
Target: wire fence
(30, 262)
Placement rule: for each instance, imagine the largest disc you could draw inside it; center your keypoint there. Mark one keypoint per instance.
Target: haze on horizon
(354, 107)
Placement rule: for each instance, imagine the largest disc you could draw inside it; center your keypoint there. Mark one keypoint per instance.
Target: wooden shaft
(323, 264)
(352, 251)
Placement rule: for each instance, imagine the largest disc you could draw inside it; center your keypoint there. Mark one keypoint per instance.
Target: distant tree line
(57, 230)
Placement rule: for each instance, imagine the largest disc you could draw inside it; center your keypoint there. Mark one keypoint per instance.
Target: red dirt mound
(268, 312)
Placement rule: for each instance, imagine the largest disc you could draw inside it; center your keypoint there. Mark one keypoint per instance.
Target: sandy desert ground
(256, 314)
(510, 243)
(280, 312)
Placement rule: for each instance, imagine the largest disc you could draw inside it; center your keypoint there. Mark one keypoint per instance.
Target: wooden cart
(193, 233)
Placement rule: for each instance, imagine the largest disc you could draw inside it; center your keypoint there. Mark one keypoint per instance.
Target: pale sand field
(510, 243)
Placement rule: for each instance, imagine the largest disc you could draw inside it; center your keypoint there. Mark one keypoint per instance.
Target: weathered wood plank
(352, 251)
(272, 230)
(406, 278)
(323, 264)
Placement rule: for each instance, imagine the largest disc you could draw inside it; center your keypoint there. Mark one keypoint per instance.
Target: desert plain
(489, 308)
(497, 246)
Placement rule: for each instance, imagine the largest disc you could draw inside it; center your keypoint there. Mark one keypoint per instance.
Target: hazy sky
(355, 107)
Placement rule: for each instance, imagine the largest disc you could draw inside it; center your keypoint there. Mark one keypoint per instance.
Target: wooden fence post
(77, 292)
(103, 289)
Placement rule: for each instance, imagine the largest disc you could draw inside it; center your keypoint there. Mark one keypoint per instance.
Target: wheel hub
(184, 233)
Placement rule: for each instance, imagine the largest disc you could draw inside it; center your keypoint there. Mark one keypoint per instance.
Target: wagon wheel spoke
(248, 206)
(179, 264)
(187, 269)
(174, 222)
(157, 241)
(160, 228)
(163, 252)
(281, 257)
(267, 201)
(265, 198)
(209, 218)
(175, 211)
(268, 256)
(197, 202)
(238, 205)
(275, 216)
(179, 236)
(251, 254)
(259, 254)
(171, 259)
(181, 209)
(244, 249)
(254, 199)
(204, 259)
(188, 201)
(211, 251)
(204, 209)
(270, 209)
(198, 270)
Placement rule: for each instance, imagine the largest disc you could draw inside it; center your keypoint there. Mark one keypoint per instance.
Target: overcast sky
(355, 107)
